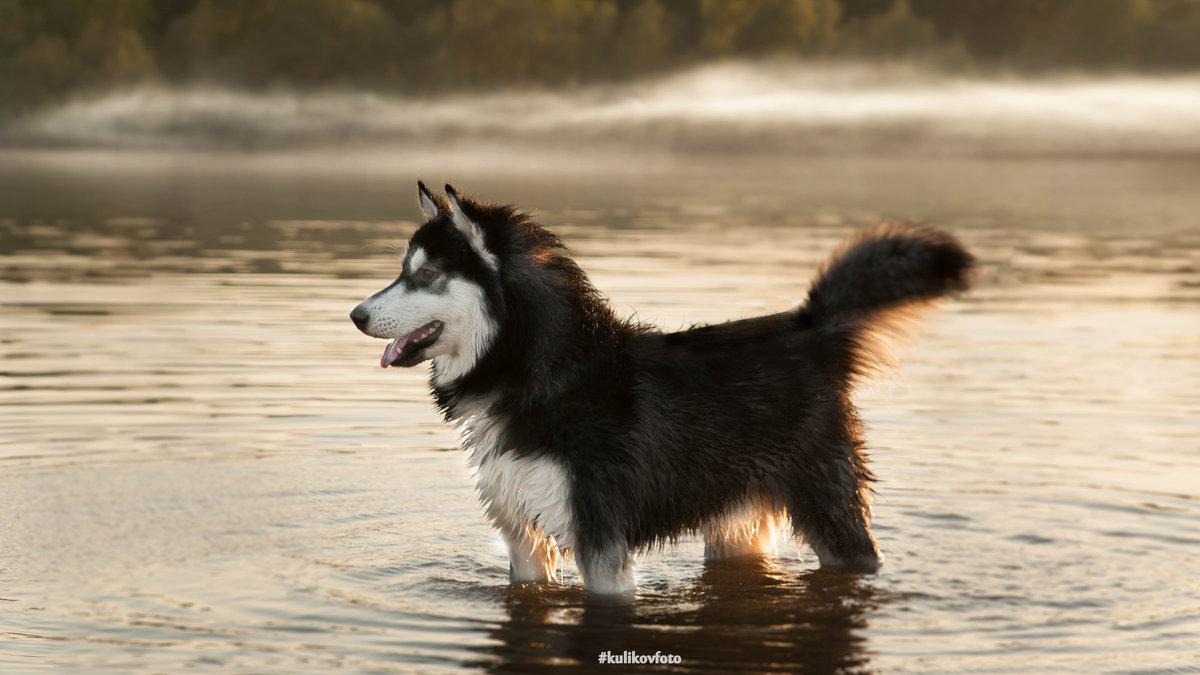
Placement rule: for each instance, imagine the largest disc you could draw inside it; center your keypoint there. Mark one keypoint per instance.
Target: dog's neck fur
(549, 298)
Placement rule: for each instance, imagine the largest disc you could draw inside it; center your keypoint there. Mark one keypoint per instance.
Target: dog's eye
(427, 273)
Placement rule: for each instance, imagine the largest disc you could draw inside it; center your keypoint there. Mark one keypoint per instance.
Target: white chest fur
(522, 495)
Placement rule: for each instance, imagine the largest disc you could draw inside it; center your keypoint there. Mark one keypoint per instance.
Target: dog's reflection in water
(744, 615)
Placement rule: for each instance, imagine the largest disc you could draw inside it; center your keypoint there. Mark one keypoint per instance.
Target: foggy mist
(730, 107)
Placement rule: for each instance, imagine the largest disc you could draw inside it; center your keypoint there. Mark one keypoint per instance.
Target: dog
(603, 437)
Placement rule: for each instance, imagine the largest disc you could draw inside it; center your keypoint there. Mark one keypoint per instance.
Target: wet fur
(605, 436)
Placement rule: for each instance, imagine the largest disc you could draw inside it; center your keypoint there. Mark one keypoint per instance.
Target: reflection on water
(733, 617)
(206, 469)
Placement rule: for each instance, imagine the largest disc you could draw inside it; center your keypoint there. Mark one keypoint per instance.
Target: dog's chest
(521, 494)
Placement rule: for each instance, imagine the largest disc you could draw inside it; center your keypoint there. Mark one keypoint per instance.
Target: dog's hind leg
(833, 516)
(532, 556)
(840, 544)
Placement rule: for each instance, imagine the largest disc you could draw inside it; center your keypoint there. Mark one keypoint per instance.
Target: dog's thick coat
(602, 436)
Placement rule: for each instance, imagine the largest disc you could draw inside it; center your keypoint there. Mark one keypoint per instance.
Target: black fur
(660, 432)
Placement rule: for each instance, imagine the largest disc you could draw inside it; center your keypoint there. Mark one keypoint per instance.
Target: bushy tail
(871, 288)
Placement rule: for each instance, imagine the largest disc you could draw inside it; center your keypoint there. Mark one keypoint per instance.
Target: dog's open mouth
(403, 350)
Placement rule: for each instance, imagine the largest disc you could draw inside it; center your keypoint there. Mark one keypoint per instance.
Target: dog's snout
(360, 317)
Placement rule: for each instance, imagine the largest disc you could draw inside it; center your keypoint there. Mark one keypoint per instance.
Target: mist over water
(732, 107)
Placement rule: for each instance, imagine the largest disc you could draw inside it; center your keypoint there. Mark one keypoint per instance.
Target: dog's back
(756, 415)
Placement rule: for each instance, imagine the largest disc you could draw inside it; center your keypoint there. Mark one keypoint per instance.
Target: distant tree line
(53, 48)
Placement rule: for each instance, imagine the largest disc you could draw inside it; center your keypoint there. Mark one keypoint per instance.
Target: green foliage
(524, 41)
(1173, 39)
(896, 33)
(752, 27)
(1116, 34)
(52, 48)
(988, 28)
(1097, 32)
(48, 48)
(280, 41)
(642, 39)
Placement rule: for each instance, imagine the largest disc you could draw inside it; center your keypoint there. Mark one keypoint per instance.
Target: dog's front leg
(532, 556)
(607, 570)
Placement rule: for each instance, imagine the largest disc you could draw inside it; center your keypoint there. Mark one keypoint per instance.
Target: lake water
(204, 469)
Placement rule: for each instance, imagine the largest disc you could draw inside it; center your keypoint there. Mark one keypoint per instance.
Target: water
(205, 469)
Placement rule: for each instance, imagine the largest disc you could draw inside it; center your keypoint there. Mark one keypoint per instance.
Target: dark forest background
(51, 49)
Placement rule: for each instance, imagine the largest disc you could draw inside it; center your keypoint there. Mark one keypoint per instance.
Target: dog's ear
(428, 204)
(469, 227)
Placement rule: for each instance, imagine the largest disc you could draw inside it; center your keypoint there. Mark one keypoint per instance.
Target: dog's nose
(360, 317)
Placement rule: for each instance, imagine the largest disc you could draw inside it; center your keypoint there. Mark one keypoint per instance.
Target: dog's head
(442, 306)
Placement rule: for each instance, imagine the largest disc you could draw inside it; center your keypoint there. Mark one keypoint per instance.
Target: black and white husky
(602, 436)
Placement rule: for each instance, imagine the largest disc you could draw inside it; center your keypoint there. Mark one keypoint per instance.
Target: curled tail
(872, 288)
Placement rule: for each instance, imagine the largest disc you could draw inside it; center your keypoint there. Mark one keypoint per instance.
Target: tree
(894, 33)
(642, 40)
(285, 41)
(1173, 40)
(524, 41)
(988, 28)
(749, 27)
(1102, 32)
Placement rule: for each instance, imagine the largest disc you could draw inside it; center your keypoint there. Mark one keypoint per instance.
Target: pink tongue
(393, 350)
